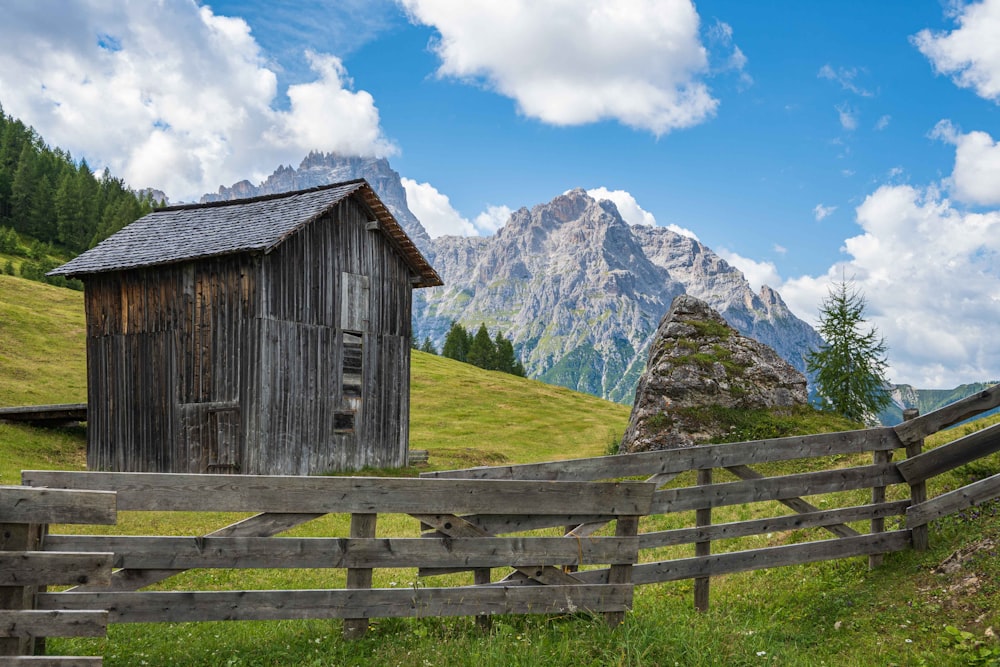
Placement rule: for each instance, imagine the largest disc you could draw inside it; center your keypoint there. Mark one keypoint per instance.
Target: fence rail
(480, 520)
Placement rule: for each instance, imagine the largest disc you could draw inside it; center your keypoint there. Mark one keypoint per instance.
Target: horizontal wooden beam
(23, 504)
(170, 607)
(954, 501)
(952, 455)
(40, 568)
(499, 524)
(920, 427)
(53, 623)
(138, 552)
(774, 488)
(723, 531)
(688, 458)
(266, 493)
(759, 559)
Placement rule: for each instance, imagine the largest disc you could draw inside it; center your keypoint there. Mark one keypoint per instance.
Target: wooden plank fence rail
(974, 494)
(25, 569)
(670, 461)
(919, 428)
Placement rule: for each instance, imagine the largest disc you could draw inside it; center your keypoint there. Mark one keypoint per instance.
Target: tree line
(48, 201)
(479, 349)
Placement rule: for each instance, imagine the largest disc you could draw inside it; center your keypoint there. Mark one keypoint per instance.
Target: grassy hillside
(940, 607)
(463, 415)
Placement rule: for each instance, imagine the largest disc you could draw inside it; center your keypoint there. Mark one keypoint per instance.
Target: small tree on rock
(849, 368)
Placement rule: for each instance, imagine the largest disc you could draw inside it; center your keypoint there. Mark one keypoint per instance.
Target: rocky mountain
(323, 168)
(580, 292)
(577, 289)
(697, 362)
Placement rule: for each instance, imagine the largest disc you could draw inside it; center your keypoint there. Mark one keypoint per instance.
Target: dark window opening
(343, 422)
(352, 365)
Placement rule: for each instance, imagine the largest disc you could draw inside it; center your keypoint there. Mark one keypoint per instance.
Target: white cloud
(434, 210)
(883, 122)
(971, 52)
(931, 275)
(848, 116)
(492, 219)
(756, 273)
(570, 62)
(780, 249)
(683, 231)
(632, 213)
(976, 176)
(821, 211)
(627, 206)
(171, 95)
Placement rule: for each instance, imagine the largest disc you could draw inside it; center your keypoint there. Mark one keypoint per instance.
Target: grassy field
(910, 611)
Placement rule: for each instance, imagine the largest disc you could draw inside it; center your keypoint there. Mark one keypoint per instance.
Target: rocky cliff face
(577, 289)
(580, 292)
(697, 362)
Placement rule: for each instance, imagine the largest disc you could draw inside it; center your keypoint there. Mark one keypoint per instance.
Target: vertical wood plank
(481, 576)
(621, 573)
(918, 491)
(362, 525)
(878, 496)
(703, 517)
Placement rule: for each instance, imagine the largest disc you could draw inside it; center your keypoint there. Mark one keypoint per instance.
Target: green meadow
(909, 611)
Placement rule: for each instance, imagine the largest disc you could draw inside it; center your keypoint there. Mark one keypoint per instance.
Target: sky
(805, 142)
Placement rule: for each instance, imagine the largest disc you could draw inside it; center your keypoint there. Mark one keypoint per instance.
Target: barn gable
(264, 336)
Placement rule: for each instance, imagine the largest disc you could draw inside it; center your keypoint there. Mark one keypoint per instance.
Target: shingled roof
(183, 233)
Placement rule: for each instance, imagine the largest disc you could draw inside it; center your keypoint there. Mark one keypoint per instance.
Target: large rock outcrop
(697, 362)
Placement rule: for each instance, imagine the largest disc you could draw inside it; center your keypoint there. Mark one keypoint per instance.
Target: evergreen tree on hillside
(482, 350)
(47, 196)
(850, 367)
(506, 361)
(456, 343)
(427, 346)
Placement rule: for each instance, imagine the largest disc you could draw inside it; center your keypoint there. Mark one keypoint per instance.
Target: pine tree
(850, 366)
(505, 359)
(456, 343)
(428, 346)
(482, 351)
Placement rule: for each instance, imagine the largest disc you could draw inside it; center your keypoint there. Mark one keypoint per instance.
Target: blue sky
(802, 141)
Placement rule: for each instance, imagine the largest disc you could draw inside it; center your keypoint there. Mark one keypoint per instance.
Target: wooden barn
(261, 336)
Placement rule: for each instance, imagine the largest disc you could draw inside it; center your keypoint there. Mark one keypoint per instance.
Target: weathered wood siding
(293, 362)
(335, 281)
(170, 352)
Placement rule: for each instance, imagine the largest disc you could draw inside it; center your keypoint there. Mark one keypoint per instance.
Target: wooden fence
(856, 523)
(449, 543)
(479, 520)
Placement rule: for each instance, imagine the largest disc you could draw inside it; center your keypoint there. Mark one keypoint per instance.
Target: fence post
(918, 491)
(703, 517)
(879, 457)
(481, 577)
(363, 526)
(18, 537)
(621, 573)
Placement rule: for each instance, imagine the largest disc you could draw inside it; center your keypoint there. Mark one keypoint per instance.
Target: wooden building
(262, 336)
